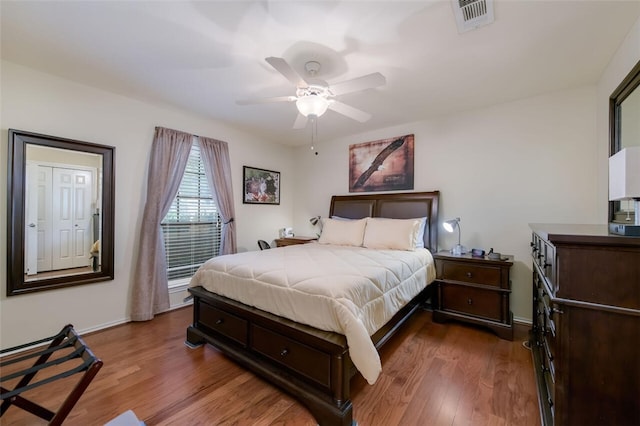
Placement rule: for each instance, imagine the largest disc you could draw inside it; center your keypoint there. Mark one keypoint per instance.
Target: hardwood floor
(433, 374)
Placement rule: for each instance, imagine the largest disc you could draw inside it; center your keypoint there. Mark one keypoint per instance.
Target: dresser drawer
(470, 273)
(224, 323)
(472, 301)
(544, 255)
(550, 387)
(305, 360)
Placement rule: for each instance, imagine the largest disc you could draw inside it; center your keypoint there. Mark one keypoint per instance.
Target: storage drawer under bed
(224, 323)
(310, 362)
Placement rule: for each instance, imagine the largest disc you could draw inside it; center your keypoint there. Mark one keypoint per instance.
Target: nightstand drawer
(470, 273)
(471, 301)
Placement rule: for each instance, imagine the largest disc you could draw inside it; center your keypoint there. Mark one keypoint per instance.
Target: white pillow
(420, 236)
(343, 232)
(394, 234)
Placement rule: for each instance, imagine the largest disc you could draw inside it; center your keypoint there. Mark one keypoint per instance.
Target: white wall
(498, 168)
(42, 103)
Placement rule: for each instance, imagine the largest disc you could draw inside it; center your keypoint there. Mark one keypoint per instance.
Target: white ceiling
(202, 56)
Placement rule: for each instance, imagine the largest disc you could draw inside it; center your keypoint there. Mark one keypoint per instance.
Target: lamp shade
(450, 225)
(624, 174)
(312, 105)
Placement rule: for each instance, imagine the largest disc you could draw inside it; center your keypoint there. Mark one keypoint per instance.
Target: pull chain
(314, 132)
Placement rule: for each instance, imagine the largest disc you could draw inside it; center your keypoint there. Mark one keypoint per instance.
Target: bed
(312, 364)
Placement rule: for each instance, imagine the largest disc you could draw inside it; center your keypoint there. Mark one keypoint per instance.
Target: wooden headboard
(405, 205)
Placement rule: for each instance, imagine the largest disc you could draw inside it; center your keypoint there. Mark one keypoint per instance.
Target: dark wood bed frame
(310, 364)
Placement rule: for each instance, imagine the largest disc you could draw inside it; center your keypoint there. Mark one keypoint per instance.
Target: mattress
(348, 290)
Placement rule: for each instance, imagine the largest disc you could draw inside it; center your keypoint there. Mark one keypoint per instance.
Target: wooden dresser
(585, 338)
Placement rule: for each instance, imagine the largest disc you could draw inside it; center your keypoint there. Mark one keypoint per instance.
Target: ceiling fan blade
(361, 83)
(301, 122)
(349, 111)
(266, 100)
(285, 69)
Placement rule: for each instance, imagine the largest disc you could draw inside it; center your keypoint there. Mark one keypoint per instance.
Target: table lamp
(450, 226)
(316, 221)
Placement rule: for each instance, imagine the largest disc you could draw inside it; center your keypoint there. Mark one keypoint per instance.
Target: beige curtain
(215, 155)
(169, 155)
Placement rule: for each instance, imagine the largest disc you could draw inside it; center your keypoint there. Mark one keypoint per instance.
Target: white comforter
(349, 290)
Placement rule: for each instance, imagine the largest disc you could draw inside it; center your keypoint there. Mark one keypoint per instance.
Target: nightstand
(474, 290)
(289, 241)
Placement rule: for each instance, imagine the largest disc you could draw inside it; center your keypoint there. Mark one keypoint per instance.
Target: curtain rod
(161, 127)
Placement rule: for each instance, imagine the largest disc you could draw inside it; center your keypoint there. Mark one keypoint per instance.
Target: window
(191, 228)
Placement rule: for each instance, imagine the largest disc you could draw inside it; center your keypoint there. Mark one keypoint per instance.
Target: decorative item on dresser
(586, 325)
(475, 290)
(289, 241)
(624, 184)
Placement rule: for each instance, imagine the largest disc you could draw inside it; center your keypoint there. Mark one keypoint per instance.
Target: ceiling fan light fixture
(312, 105)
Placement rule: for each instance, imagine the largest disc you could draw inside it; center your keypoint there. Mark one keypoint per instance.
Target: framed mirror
(624, 132)
(60, 220)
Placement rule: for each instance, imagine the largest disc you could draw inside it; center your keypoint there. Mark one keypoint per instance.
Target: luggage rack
(71, 349)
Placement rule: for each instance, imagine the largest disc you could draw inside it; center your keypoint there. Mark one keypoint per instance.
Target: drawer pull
(284, 352)
(469, 274)
(469, 301)
(219, 321)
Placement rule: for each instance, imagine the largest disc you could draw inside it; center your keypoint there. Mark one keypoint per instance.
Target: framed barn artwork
(382, 165)
(260, 186)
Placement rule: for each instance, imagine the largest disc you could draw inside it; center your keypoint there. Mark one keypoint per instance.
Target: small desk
(290, 241)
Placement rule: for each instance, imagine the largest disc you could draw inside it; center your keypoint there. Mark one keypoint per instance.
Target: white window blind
(191, 228)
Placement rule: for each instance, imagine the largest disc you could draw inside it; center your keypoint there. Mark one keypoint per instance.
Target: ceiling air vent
(471, 14)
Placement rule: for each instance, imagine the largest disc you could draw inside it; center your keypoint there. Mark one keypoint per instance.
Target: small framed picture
(260, 186)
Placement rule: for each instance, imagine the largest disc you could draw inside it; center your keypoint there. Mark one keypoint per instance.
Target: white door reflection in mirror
(62, 208)
(71, 212)
(32, 228)
(44, 218)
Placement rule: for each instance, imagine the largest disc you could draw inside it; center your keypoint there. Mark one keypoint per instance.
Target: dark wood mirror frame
(16, 220)
(630, 83)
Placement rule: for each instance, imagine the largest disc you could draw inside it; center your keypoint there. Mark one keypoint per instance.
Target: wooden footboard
(310, 364)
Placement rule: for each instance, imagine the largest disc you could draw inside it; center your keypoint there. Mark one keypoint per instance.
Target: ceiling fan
(314, 96)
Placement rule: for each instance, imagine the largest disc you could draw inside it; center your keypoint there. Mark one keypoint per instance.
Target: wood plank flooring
(433, 374)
